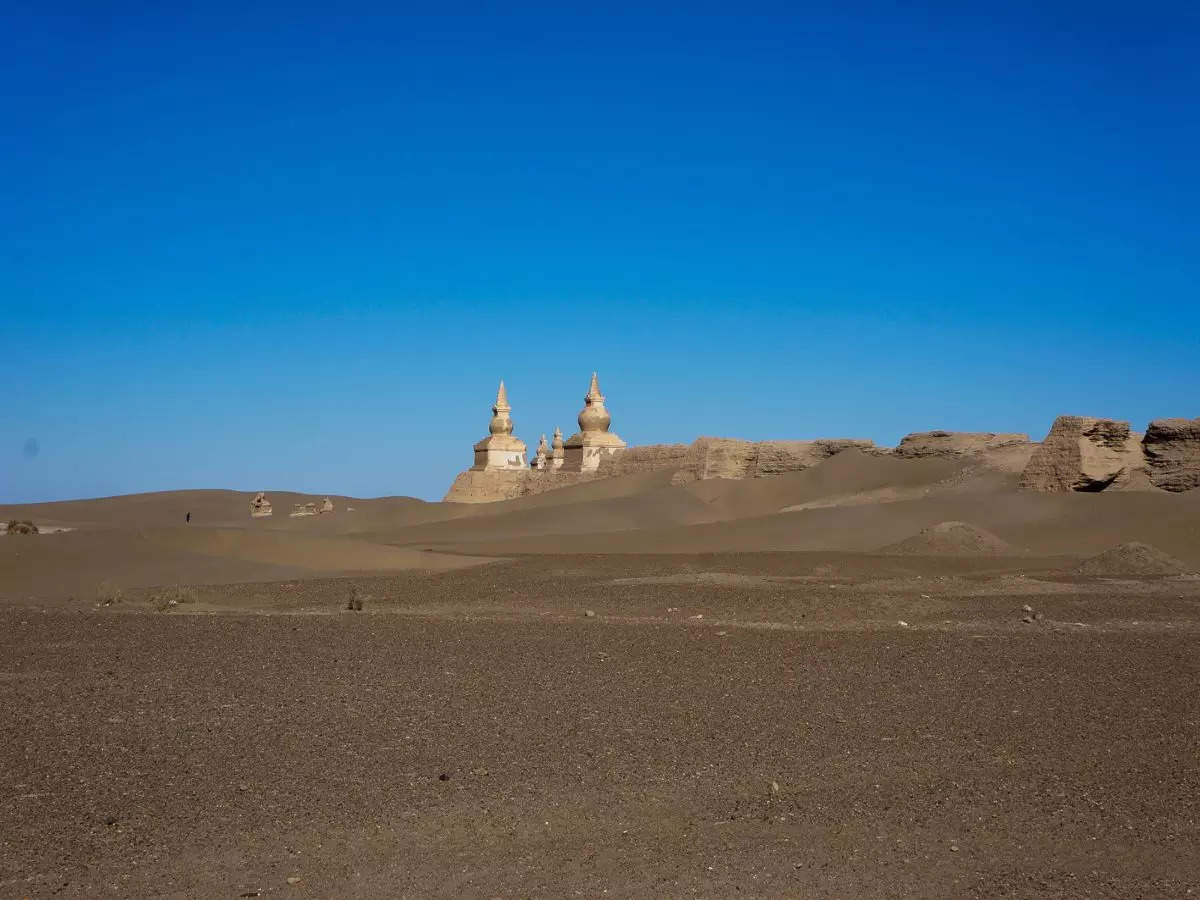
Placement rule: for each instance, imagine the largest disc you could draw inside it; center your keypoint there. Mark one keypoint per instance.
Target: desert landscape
(963, 666)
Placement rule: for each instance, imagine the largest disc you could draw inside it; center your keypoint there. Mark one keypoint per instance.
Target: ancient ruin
(593, 441)
(260, 506)
(326, 506)
(302, 509)
(500, 468)
(1081, 453)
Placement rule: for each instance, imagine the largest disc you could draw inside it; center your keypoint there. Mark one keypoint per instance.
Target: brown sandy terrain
(825, 720)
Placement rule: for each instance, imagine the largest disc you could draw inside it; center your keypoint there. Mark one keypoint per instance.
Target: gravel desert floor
(781, 724)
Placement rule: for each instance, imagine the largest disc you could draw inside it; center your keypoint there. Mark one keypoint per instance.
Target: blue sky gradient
(270, 247)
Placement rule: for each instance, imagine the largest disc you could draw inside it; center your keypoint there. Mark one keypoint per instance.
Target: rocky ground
(721, 725)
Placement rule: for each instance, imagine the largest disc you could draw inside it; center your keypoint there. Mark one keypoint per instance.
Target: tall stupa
(593, 441)
(500, 450)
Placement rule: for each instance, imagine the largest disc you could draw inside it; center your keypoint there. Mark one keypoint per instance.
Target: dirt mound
(951, 539)
(1132, 559)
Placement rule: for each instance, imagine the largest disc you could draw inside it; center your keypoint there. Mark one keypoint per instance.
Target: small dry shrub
(356, 599)
(108, 593)
(166, 598)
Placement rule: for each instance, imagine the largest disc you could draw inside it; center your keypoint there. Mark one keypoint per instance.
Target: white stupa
(500, 450)
(558, 454)
(593, 441)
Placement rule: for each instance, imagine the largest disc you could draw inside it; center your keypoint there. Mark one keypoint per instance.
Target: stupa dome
(594, 418)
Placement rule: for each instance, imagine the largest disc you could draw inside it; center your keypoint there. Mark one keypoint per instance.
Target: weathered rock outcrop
(1172, 451)
(302, 509)
(1082, 453)
(777, 457)
(260, 506)
(956, 443)
(710, 457)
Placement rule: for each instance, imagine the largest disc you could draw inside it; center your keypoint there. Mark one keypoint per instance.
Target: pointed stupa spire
(593, 393)
(501, 421)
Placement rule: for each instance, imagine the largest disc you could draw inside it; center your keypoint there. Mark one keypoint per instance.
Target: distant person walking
(188, 518)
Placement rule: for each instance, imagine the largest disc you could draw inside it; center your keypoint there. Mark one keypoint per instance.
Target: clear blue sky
(270, 246)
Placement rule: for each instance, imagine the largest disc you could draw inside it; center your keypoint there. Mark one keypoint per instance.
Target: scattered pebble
(697, 616)
(1027, 619)
(774, 787)
(590, 613)
(443, 777)
(722, 633)
(1027, 608)
(293, 879)
(110, 820)
(902, 624)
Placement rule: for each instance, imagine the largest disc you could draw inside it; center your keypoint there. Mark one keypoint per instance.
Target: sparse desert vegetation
(167, 598)
(108, 593)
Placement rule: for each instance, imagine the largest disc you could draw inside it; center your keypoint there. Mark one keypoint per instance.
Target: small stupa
(593, 441)
(543, 452)
(557, 454)
(500, 450)
(260, 506)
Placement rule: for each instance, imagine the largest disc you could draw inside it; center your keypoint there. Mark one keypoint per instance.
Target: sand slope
(851, 503)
